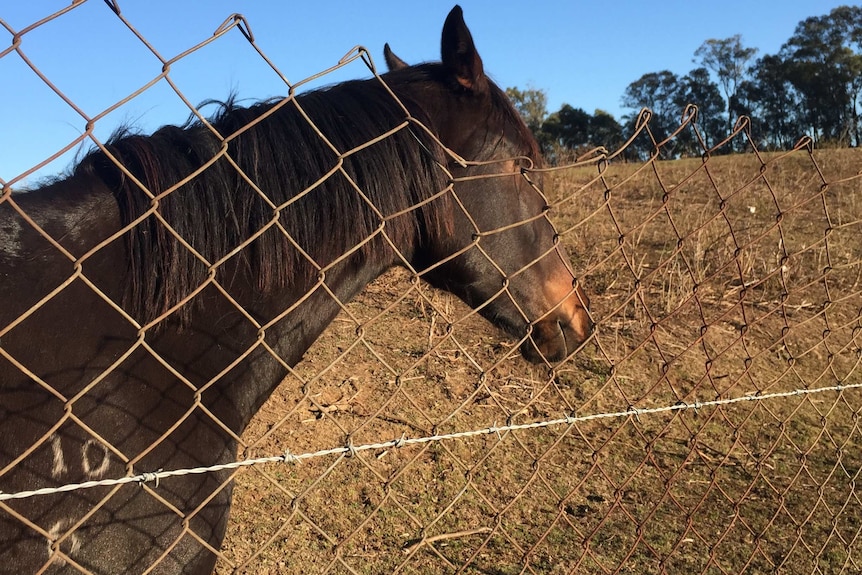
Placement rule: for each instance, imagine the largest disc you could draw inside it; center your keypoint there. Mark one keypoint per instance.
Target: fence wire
(709, 425)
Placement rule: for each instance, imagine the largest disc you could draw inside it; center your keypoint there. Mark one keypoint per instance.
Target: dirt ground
(738, 276)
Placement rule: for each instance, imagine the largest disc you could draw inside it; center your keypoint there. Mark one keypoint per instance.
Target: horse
(154, 296)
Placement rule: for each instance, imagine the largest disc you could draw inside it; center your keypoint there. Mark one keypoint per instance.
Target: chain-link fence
(708, 425)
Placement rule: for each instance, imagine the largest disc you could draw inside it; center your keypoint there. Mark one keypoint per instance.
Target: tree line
(812, 86)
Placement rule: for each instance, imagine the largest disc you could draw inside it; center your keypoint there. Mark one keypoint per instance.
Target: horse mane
(508, 117)
(501, 113)
(283, 155)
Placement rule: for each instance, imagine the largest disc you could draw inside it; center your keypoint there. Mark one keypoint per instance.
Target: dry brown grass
(708, 281)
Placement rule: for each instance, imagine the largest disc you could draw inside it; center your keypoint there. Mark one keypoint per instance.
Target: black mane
(282, 155)
(502, 113)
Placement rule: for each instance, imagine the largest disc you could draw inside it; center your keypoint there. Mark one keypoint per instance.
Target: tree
(605, 131)
(657, 91)
(771, 102)
(825, 71)
(728, 59)
(697, 88)
(568, 127)
(532, 104)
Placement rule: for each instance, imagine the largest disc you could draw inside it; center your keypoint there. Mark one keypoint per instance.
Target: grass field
(739, 276)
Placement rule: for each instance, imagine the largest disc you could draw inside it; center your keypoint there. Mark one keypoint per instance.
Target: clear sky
(578, 52)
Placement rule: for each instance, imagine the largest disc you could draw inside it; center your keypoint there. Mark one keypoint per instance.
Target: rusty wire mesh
(711, 279)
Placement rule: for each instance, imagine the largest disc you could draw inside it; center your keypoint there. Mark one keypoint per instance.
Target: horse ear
(459, 54)
(393, 62)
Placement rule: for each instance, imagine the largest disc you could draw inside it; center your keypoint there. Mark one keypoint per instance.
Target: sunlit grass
(708, 281)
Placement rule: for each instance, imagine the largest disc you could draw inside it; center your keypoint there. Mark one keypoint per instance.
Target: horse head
(503, 256)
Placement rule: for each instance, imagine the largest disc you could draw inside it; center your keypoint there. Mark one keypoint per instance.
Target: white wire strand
(288, 457)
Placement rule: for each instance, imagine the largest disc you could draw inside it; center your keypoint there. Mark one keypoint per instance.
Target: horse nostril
(578, 328)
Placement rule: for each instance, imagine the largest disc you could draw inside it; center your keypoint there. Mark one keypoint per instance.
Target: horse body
(85, 393)
(125, 422)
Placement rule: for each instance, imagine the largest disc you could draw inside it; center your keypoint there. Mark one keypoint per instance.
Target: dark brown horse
(175, 292)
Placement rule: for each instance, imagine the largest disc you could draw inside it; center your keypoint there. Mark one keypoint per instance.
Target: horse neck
(292, 336)
(78, 213)
(81, 212)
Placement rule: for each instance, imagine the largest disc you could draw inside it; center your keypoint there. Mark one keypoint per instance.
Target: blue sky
(581, 53)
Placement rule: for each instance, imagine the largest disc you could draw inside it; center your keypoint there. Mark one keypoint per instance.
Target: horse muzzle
(563, 329)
